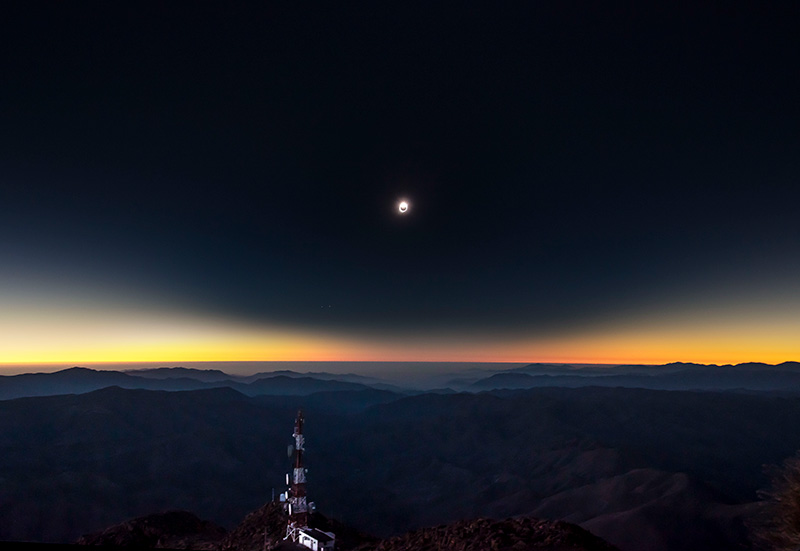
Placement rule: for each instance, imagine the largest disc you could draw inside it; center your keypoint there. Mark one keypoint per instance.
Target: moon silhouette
(403, 207)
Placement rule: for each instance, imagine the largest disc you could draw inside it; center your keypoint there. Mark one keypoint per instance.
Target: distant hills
(78, 380)
(756, 377)
(783, 377)
(215, 375)
(205, 375)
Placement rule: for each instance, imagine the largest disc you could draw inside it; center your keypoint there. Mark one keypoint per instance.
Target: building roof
(317, 534)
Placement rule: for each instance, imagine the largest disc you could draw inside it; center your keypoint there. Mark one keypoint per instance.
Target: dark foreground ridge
(268, 524)
(514, 534)
(170, 530)
(265, 528)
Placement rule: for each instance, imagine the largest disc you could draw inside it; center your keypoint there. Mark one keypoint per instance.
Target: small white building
(315, 539)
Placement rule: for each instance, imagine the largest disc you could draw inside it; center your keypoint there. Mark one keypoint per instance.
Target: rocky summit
(514, 534)
(265, 528)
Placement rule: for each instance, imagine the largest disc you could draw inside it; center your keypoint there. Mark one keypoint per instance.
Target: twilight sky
(586, 183)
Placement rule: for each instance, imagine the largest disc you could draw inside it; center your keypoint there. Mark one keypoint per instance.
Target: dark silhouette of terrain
(170, 530)
(501, 535)
(265, 528)
(215, 375)
(621, 462)
(205, 375)
(784, 377)
(776, 525)
(642, 498)
(78, 380)
(268, 523)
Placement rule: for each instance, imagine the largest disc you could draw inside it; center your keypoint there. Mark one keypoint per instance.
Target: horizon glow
(44, 324)
(64, 336)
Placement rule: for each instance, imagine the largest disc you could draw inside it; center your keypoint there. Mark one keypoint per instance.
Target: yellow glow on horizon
(713, 339)
(641, 348)
(49, 335)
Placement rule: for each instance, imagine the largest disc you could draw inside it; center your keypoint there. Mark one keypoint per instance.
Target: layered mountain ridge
(757, 377)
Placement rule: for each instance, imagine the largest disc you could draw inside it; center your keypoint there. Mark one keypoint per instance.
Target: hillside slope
(75, 464)
(513, 534)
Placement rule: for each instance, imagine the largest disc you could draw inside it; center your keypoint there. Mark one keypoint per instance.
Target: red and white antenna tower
(298, 506)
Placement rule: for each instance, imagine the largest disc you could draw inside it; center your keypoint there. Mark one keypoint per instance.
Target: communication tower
(297, 503)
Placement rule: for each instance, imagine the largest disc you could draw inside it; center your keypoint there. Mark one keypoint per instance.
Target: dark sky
(568, 165)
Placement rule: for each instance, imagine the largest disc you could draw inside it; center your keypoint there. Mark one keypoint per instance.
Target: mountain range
(644, 469)
(78, 380)
(783, 378)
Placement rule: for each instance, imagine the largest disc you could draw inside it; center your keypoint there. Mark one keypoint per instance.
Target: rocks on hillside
(514, 534)
(263, 528)
(171, 530)
(266, 528)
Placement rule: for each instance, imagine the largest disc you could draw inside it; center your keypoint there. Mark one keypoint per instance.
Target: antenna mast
(298, 507)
